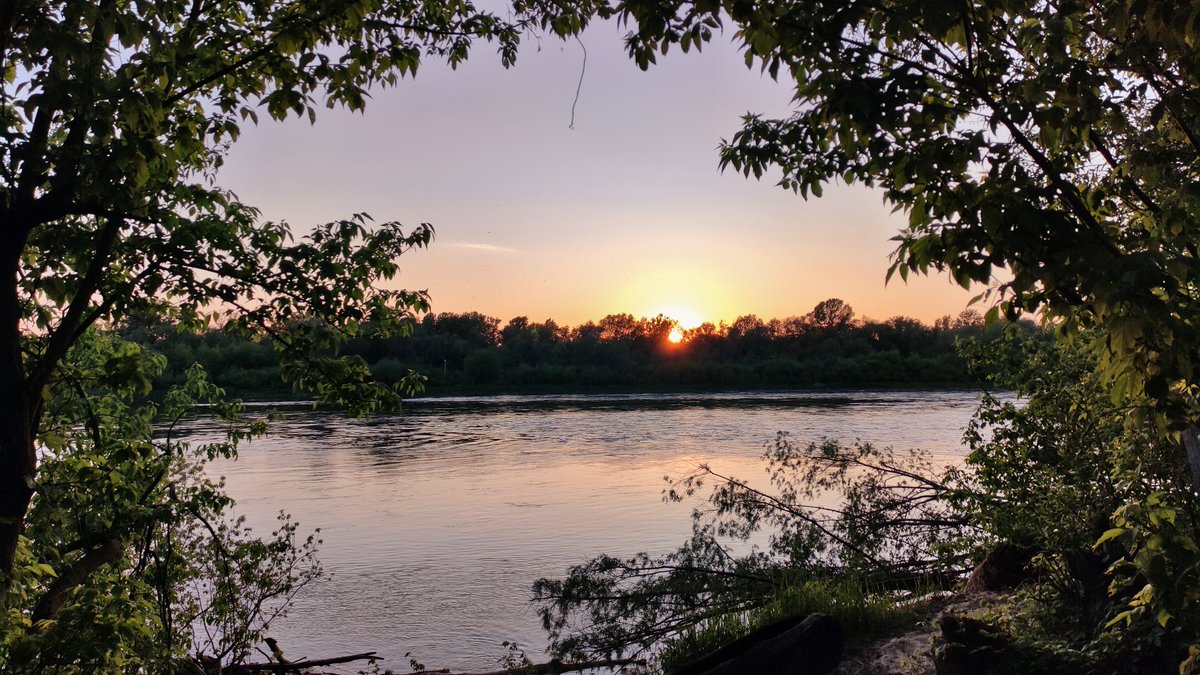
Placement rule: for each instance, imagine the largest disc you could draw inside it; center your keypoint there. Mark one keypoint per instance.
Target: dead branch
(247, 668)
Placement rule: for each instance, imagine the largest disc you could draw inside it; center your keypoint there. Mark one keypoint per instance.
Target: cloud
(488, 248)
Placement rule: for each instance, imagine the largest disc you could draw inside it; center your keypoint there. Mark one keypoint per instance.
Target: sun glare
(683, 317)
(675, 336)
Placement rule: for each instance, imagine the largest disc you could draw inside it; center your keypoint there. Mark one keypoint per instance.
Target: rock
(808, 646)
(968, 646)
(905, 654)
(196, 665)
(1007, 566)
(910, 652)
(970, 631)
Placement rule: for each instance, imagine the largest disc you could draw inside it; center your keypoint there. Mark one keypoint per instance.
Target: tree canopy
(1046, 150)
(115, 118)
(470, 353)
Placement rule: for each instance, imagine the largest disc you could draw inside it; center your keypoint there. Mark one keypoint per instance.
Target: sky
(626, 212)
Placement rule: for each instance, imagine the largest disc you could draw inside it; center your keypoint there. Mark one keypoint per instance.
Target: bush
(483, 366)
(129, 561)
(894, 534)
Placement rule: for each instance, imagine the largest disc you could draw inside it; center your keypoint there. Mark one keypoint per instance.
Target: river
(437, 519)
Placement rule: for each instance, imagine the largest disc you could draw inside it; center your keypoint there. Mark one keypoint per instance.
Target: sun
(675, 336)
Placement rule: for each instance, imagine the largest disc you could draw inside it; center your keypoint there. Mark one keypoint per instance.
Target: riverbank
(292, 397)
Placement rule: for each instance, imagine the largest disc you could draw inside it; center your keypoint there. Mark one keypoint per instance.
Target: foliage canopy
(1059, 142)
(470, 352)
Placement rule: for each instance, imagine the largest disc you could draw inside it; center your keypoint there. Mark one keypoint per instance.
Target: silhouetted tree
(831, 315)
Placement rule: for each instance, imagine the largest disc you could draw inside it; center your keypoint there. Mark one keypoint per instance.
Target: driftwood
(809, 645)
(297, 666)
(549, 668)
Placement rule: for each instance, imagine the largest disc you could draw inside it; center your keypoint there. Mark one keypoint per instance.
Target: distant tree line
(469, 351)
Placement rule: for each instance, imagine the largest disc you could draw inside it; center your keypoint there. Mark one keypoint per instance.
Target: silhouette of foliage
(1041, 475)
(471, 352)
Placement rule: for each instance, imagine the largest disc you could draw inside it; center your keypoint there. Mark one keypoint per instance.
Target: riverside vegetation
(117, 554)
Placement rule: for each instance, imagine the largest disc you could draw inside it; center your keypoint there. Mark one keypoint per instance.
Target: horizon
(857, 319)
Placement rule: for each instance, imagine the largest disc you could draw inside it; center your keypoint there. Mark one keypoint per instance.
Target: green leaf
(1110, 534)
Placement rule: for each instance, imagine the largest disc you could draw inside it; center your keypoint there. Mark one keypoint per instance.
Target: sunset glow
(675, 336)
(693, 243)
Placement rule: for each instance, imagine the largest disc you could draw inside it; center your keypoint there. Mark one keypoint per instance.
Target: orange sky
(627, 212)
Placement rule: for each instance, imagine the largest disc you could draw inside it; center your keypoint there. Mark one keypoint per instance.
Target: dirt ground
(911, 652)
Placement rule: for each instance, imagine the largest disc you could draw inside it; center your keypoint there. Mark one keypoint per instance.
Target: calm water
(437, 520)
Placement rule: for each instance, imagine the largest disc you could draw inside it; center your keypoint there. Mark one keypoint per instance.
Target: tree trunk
(17, 466)
(1191, 443)
(18, 460)
(73, 576)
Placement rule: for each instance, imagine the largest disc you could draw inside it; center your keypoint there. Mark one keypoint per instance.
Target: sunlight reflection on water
(437, 520)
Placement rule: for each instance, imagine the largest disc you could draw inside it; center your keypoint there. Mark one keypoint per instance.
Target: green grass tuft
(864, 613)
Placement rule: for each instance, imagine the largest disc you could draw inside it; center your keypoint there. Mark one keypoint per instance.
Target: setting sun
(684, 317)
(675, 336)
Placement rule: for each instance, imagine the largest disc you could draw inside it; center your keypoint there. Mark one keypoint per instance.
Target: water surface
(436, 520)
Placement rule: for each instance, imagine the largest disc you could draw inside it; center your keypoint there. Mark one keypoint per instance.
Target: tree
(831, 315)
(893, 529)
(655, 329)
(968, 319)
(129, 560)
(618, 327)
(473, 328)
(115, 117)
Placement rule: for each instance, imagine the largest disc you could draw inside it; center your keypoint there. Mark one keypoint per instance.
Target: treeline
(461, 352)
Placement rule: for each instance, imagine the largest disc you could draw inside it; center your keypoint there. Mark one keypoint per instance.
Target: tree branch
(56, 595)
(65, 335)
(552, 667)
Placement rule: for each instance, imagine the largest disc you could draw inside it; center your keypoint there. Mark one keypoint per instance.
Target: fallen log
(246, 668)
(549, 668)
(810, 645)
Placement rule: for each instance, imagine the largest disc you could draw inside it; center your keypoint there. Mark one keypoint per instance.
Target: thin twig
(578, 87)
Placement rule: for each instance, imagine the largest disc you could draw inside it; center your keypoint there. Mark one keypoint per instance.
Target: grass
(862, 612)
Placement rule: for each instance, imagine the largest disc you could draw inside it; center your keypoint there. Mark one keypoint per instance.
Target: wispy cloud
(490, 248)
